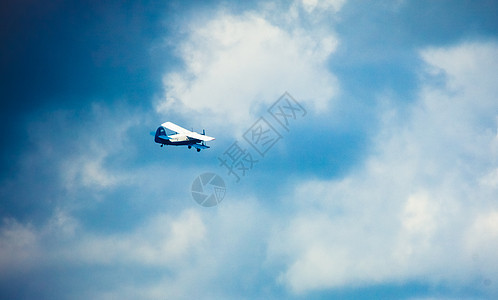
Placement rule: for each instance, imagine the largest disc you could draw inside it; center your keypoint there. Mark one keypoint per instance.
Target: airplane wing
(175, 128)
(201, 137)
(181, 130)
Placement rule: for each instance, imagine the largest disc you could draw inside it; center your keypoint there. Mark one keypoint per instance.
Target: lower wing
(199, 146)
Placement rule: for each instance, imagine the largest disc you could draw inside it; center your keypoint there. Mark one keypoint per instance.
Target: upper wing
(194, 135)
(175, 128)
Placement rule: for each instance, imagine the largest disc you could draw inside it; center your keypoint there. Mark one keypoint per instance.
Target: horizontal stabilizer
(164, 137)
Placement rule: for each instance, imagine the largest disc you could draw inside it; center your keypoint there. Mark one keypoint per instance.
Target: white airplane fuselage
(177, 139)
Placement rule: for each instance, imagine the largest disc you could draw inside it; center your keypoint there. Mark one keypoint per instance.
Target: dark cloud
(65, 54)
(84, 49)
(379, 42)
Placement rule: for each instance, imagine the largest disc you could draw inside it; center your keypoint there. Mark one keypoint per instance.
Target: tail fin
(160, 135)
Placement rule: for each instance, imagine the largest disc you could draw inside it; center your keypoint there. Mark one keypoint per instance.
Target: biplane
(181, 137)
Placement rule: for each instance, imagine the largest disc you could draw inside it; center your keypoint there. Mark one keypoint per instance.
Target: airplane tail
(160, 135)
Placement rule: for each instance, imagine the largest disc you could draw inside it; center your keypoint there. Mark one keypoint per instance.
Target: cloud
(25, 247)
(18, 247)
(312, 5)
(234, 64)
(420, 208)
(424, 201)
(162, 241)
(86, 165)
(221, 251)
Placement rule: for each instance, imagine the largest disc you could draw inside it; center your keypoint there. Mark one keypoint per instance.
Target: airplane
(182, 137)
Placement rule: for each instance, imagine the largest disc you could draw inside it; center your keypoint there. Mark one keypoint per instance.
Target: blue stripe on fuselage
(161, 132)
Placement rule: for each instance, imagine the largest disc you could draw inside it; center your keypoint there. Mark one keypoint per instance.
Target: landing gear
(198, 149)
(162, 145)
(190, 147)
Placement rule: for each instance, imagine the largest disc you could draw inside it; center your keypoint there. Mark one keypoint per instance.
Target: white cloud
(18, 247)
(162, 241)
(95, 140)
(24, 246)
(424, 202)
(222, 250)
(237, 64)
(312, 5)
(482, 236)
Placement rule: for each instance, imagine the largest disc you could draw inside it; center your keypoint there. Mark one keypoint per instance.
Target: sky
(374, 173)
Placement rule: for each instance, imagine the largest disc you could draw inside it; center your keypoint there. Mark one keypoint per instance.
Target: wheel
(190, 147)
(198, 150)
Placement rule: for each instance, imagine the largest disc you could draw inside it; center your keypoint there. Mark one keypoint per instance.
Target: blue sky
(385, 189)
